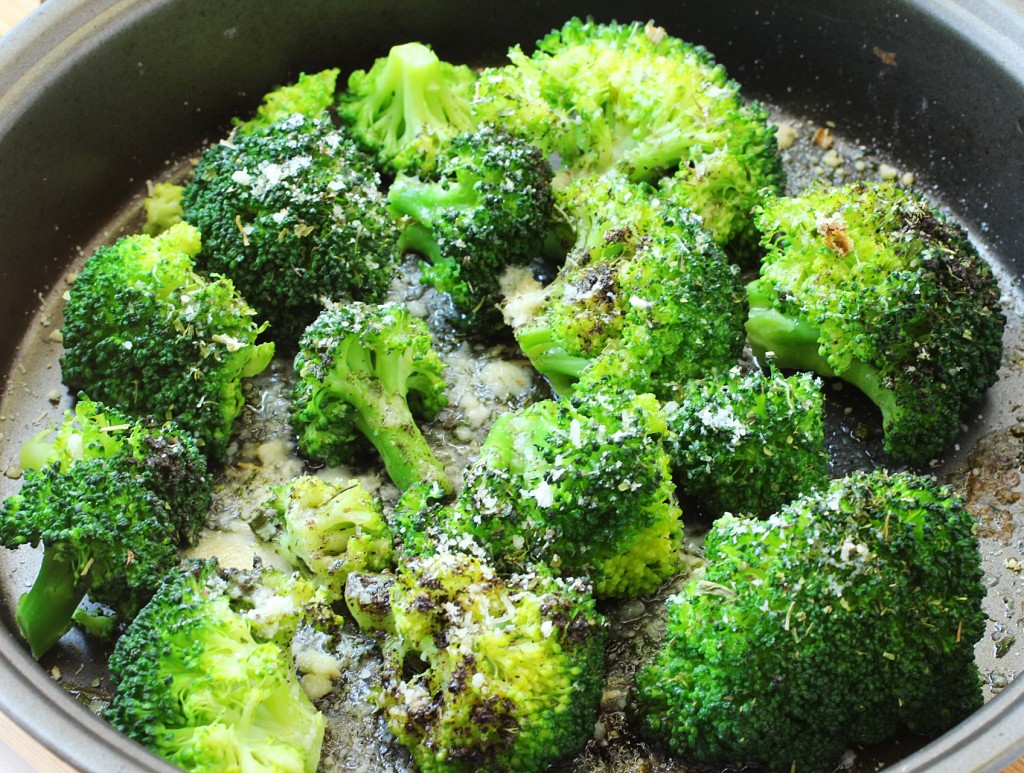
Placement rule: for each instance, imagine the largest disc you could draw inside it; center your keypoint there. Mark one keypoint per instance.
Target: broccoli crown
(362, 372)
(328, 529)
(143, 332)
(162, 207)
(846, 617)
(513, 666)
(406, 105)
(747, 443)
(645, 296)
(311, 95)
(202, 683)
(293, 213)
(584, 96)
(487, 206)
(869, 283)
(583, 487)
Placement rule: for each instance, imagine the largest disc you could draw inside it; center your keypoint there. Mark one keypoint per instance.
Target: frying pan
(99, 96)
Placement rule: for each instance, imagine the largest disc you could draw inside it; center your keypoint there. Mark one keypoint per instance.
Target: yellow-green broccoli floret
(311, 95)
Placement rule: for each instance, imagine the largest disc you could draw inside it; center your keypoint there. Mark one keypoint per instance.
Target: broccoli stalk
(406, 105)
(359, 368)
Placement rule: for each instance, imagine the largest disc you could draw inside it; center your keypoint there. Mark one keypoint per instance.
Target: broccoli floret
(645, 296)
(143, 332)
(406, 105)
(310, 96)
(202, 680)
(362, 372)
(582, 487)
(328, 529)
(747, 443)
(111, 501)
(293, 214)
(849, 616)
(162, 207)
(585, 96)
(869, 283)
(483, 672)
(488, 206)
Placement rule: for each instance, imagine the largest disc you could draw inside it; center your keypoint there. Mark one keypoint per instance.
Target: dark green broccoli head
(645, 297)
(328, 529)
(748, 443)
(111, 501)
(143, 332)
(871, 284)
(407, 105)
(583, 487)
(585, 97)
(484, 672)
(362, 372)
(202, 680)
(293, 214)
(310, 95)
(487, 207)
(849, 616)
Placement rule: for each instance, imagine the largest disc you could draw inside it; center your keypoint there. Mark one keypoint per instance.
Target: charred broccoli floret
(205, 678)
(362, 372)
(143, 332)
(869, 283)
(294, 214)
(645, 296)
(483, 672)
(328, 529)
(406, 105)
(747, 443)
(487, 207)
(587, 97)
(846, 617)
(111, 500)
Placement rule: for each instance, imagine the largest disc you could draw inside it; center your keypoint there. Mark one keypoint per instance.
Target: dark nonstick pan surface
(97, 97)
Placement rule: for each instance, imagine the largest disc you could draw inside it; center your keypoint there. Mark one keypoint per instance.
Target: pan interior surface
(901, 78)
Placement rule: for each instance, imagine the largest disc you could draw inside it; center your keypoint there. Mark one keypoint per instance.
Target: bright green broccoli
(580, 486)
(362, 372)
(145, 333)
(869, 283)
(747, 443)
(293, 214)
(205, 678)
(645, 296)
(111, 501)
(483, 672)
(328, 529)
(162, 207)
(849, 616)
(310, 96)
(488, 206)
(406, 105)
(630, 97)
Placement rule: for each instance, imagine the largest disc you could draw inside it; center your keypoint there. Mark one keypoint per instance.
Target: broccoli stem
(559, 367)
(44, 613)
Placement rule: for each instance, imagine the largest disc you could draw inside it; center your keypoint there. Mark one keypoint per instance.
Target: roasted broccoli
(747, 443)
(406, 105)
(293, 214)
(645, 296)
(582, 487)
(869, 283)
(630, 97)
(483, 672)
(362, 372)
(310, 95)
(143, 332)
(111, 500)
(487, 206)
(849, 616)
(205, 678)
(328, 529)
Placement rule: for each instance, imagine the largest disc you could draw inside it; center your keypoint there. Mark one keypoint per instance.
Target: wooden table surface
(11, 11)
